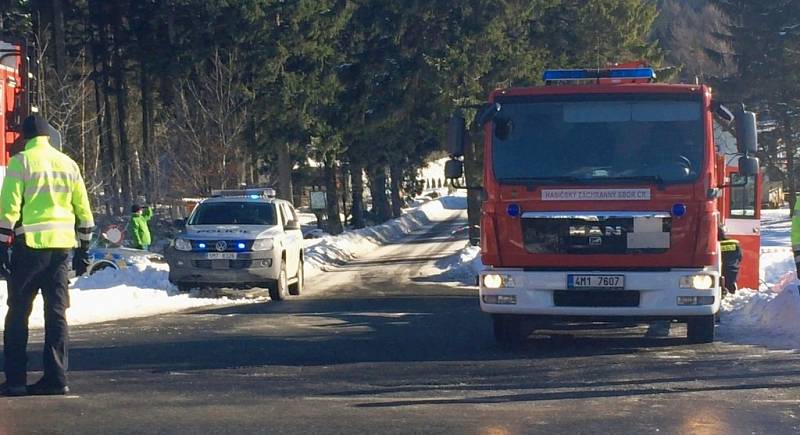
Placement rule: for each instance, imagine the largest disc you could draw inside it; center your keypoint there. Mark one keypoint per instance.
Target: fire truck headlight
(493, 281)
(699, 282)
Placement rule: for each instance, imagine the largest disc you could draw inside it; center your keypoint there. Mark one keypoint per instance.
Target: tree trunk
(381, 210)
(396, 174)
(357, 187)
(332, 198)
(284, 172)
(345, 193)
(473, 175)
(150, 166)
(58, 36)
(118, 69)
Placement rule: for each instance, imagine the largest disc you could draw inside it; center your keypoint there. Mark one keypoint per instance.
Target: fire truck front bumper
(674, 293)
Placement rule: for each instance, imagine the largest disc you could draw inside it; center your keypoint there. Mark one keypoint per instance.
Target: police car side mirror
(292, 225)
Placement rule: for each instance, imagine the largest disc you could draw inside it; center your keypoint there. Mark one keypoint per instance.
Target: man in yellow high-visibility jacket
(43, 206)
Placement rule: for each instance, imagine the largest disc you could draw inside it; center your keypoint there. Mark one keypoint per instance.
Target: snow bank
(141, 290)
(331, 250)
(767, 317)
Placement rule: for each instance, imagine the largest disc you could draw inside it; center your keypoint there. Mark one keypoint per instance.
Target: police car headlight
(183, 245)
(262, 245)
(698, 282)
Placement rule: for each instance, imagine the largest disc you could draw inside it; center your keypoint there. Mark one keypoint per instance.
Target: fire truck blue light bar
(588, 74)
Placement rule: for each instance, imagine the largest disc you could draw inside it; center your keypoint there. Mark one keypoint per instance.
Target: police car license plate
(221, 255)
(596, 281)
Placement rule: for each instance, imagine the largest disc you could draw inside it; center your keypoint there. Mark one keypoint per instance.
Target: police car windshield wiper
(538, 180)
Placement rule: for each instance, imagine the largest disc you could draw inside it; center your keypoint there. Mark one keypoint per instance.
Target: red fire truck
(15, 97)
(603, 192)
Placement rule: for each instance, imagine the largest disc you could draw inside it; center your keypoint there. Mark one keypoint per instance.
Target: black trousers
(32, 270)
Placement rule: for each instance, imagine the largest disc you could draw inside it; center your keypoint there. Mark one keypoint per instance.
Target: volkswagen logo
(221, 246)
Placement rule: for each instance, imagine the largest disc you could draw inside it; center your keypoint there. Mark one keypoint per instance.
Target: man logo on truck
(586, 230)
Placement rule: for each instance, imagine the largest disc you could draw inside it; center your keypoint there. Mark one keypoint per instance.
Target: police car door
(292, 239)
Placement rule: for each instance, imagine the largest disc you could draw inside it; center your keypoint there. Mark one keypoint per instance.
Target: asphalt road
(377, 347)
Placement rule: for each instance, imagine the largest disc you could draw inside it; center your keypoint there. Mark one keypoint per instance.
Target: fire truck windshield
(576, 139)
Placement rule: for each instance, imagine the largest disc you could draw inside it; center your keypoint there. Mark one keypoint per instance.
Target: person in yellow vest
(795, 236)
(44, 214)
(731, 261)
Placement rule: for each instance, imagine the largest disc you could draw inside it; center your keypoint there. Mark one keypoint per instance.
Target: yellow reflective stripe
(87, 237)
(728, 248)
(86, 225)
(6, 225)
(35, 190)
(45, 226)
(15, 174)
(67, 177)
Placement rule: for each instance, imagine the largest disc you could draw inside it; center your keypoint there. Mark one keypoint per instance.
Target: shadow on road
(341, 330)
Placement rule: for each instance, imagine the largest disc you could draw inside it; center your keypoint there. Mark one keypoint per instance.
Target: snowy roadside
(145, 290)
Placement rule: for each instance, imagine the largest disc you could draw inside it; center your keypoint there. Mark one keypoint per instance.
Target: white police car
(240, 239)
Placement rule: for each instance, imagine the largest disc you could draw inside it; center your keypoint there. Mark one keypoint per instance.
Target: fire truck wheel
(508, 330)
(700, 329)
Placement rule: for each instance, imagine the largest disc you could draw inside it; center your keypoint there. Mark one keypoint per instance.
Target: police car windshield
(568, 139)
(234, 213)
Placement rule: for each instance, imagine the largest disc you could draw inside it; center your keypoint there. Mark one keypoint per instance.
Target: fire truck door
(743, 223)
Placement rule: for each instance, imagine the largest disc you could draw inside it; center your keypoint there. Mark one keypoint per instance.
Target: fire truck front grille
(595, 298)
(582, 233)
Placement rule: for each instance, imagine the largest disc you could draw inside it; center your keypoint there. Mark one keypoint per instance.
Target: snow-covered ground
(144, 289)
(767, 316)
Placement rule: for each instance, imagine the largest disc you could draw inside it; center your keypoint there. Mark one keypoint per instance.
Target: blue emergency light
(591, 74)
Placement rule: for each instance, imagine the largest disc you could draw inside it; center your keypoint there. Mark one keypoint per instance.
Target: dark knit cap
(135, 208)
(33, 126)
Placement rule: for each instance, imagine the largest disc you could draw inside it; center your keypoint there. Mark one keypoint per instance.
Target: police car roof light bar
(260, 192)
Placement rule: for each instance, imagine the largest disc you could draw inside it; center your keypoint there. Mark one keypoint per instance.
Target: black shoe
(44, 389)
(13, 390)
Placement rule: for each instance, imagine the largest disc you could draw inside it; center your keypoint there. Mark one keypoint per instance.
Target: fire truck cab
(602, 195)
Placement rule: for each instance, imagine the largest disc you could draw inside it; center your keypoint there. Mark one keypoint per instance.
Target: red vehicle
(15, 97)
(603, 192)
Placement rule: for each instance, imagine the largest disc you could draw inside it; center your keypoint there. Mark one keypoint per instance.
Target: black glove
(5, 261)
(80, 261)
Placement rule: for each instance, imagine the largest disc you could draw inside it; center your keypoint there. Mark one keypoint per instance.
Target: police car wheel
(297, 288)
(279, 289)
(100, 267)
(700, 329)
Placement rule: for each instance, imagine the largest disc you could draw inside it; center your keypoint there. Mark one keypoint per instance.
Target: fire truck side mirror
(456, 131)
(453, 169)
(746, 132)
(748, 166)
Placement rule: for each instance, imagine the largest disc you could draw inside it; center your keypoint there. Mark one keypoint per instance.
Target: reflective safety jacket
(137, 228)
(43, 198)
(796, 227)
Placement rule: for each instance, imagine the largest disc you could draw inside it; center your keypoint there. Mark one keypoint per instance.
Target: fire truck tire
(700, 329)
(508, 330)
(279, 289)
